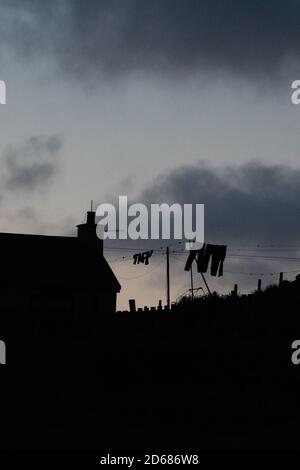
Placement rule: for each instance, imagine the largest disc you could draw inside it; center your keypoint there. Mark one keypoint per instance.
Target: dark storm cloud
(250, 203)
(115, 37)
(31, 166)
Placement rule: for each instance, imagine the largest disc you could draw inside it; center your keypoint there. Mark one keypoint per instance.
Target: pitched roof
(44, 260)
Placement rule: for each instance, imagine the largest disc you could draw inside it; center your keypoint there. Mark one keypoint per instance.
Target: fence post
(280, 278)
(235, 290)
(132, 307)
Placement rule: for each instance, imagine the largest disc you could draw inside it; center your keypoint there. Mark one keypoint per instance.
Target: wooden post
(132, 307)
(280, 278)
(235, 290)
(259, 285)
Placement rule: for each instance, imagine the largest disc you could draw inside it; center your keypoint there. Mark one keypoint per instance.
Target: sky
(164, 101)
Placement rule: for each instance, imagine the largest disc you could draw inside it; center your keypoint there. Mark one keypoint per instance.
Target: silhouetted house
(62, 279)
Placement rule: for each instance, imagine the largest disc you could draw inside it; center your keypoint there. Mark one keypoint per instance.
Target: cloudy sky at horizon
(161, 100)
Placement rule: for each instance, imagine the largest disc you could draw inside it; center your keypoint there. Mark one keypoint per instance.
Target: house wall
(53, 310)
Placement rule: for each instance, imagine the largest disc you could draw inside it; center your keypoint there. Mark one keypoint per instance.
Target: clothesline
(233, 252)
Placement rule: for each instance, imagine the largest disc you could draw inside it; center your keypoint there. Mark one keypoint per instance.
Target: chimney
(87, 234)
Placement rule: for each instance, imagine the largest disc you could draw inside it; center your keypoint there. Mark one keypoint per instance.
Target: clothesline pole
(192, 283)
(206, 285)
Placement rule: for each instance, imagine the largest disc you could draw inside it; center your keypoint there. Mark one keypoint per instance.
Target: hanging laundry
(194, 254)
(217, 259)
(202, 259)
(142, 257)
(216, 253)
(189, 261)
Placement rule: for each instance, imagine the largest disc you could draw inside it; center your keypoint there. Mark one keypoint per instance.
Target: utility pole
(168, 278)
